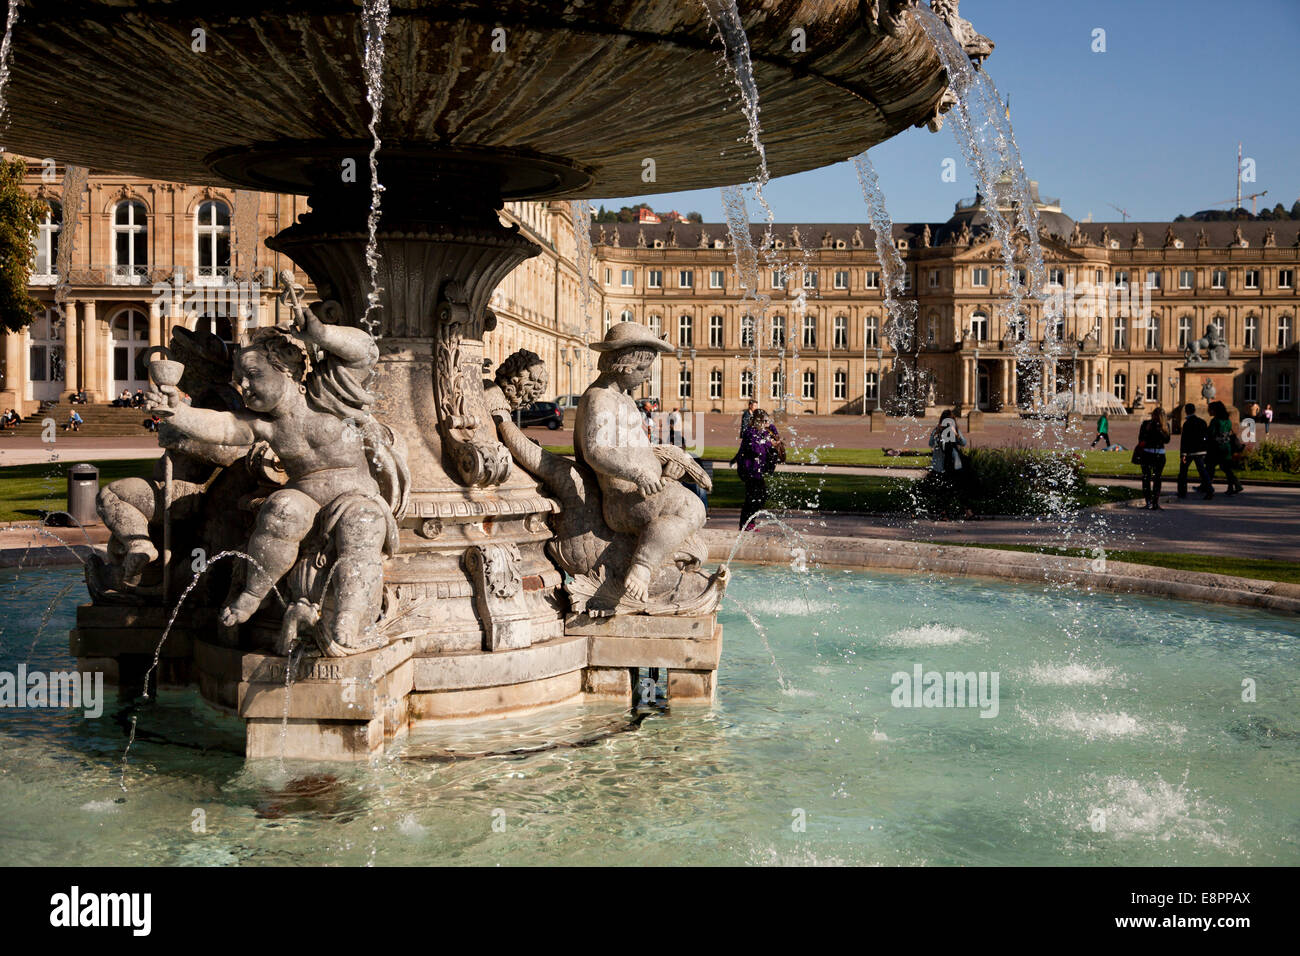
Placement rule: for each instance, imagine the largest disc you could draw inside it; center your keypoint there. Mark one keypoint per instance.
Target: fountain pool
(1121, 737)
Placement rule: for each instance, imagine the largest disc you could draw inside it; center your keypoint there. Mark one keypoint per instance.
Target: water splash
(374, 16)
(245, 240)
(6, 53)
(581, 209)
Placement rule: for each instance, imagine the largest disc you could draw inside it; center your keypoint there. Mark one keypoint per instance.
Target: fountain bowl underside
(588, 92)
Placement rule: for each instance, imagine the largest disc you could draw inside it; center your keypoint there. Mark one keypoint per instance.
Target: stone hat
(630, 335)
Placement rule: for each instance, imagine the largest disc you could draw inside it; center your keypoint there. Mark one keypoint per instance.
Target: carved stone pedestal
(689, 648)
(1192, 381)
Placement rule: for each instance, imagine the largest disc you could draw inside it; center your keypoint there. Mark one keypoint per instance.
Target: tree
(1295, 209)
(20, 217)
(694, 217)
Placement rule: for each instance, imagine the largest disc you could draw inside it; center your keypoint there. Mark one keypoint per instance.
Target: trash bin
(83, 488)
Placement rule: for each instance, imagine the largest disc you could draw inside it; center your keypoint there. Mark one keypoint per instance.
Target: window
(655, 279)
(212, 233)
(1100, 277)
(715, 383)
(810, 331)
(1121, 278)
(1055, 276)
(1217, 322)
(1219, 279)
(1284, 386)
(625, 315)
(1018, 325)
(907, 280)
(841, 278)
(1118, 336)
(684, 327)
(715, 331)
(873, 280)
(1283, 331)
(809, 384)
(1121, 386)
(841, 384)
(1250, 386)
(45, 349)
(1185, 332)
(657, 326)
(627, 278)
(609, 320)
(47, 242)
(1252, 331)
(1022, 279)
(841, 340)
(778, 331)
(934, 278)
(747, 332)
(686, 278)
(979, 326)
(717, 278)
(747, 383)
(1252, 278)
(809, 279)
(684, 382)
(871, 332)
(609, 277)
(1153, 333)
(1185, 280)
(778, 384)
(979, 278)
(1285, 278)
(778, 278)
(873, 386)
(1153, 386)
(1153, 278)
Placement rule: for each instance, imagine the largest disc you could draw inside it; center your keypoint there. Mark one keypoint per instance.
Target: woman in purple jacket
(757, 457)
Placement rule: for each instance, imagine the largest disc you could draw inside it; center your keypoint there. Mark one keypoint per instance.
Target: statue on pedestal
(1216, 349)
(625, 532)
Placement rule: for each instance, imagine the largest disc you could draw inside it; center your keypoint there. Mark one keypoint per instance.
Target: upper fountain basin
(583, 94)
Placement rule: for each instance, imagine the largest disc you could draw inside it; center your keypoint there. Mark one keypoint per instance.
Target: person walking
(1192, 449)
(748, 414)
(946, 442)
(1153, 435)
(675, 436)
(1103, 433)
(757, 457)
(1268, 417)
(1222, 443)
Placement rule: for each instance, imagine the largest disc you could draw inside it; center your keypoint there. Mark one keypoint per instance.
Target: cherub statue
(311, 407)
(597, 557)
(639, 486)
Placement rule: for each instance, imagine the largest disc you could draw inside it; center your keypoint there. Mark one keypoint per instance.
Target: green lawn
(1259, 569)
(32, 491)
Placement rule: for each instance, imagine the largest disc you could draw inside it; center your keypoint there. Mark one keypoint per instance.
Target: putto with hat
(630, 335)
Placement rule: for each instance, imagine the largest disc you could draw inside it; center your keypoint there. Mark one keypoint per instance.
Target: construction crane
(1236, 203)
(1122, 212)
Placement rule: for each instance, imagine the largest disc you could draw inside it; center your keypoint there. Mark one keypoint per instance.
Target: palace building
(147, 255)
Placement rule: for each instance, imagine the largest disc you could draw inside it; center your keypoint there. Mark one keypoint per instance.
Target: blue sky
(1151, 125)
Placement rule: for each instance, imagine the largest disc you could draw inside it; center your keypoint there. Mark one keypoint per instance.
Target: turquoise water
(1121, 738)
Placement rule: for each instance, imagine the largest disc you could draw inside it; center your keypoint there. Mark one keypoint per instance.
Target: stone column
(92, 360)
(71, 341)
(155, 323)
(11, 395)
(1012, 383)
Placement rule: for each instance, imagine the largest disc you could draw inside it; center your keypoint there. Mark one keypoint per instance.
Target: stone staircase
(100, 421)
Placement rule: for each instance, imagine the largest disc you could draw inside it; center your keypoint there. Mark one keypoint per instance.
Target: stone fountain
(377, 547)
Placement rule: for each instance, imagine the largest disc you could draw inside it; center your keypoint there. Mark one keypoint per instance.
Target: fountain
(436, 566)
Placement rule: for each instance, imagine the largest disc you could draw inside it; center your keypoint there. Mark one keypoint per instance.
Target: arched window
(1252, 332)
(872, 332)
(1284, 386)
(1184, 331)
(979, 327)
(45, 355)
(1153, 332)
(1153, 386)
(778, 331)
(625, 315)
(47, 243)
(130, 242)
(218, 325)
(747, 332)
(778, 384)
(1121, 386)
(657, 326)
(685, 331)
(212, 237)
(130, 341)
(715, 383)
(841, 384)
(809, 384)
(872, 386)
(747, 383)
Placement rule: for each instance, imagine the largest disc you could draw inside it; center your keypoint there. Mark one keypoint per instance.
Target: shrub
(1003, 481)
(1274, 454)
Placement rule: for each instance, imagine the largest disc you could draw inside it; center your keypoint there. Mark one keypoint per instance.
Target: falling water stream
(582, 252)
(5, 53)
(374, 15)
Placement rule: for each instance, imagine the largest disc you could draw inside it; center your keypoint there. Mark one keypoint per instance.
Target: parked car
(568, 401)
(540, 413)
(650, 405)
